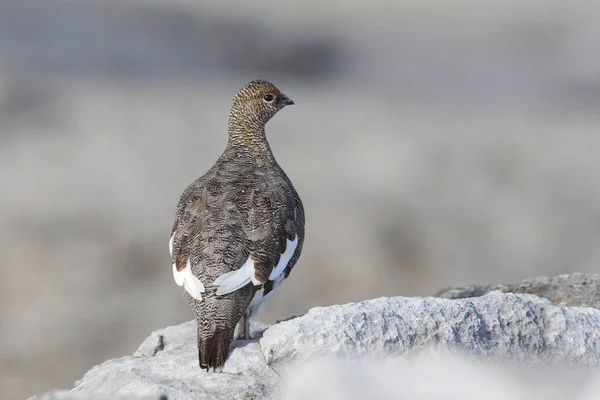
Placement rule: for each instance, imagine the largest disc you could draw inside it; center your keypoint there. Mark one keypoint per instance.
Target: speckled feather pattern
(245, 205)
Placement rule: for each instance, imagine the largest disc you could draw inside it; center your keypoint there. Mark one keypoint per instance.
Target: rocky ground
(498, 345)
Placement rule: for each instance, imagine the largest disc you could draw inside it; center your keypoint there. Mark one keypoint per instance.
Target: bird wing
(274, 227)
(188, 224)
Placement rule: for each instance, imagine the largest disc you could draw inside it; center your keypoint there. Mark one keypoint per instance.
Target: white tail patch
(234, 280)
(186, 277)
(285, 258)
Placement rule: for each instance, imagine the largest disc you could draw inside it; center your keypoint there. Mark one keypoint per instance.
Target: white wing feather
(285, 258)
(186, 277)
(234, 280)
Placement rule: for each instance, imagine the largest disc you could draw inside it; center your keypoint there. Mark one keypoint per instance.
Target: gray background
(433, 144)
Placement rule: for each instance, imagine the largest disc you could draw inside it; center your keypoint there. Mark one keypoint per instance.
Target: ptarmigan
(238, 229)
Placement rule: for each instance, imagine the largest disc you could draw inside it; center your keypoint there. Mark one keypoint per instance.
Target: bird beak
(285, 101)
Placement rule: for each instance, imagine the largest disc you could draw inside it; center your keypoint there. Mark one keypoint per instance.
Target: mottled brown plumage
(239, 229)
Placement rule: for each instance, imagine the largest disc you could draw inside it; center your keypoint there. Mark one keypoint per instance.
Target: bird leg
(250, 313)
(245, 334)
(247, 317)
(242, 329)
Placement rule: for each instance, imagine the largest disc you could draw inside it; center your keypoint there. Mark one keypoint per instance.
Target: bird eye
(268, 97)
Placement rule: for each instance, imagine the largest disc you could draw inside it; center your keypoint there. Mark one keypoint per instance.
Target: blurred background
(433, 144)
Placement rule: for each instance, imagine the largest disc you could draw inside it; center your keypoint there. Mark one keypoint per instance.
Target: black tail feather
(212, 351)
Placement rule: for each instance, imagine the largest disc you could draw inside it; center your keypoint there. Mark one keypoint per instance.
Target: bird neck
(248, 141)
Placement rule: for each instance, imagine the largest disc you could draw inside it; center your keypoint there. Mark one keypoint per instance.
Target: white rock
(518, 327)
(523, 330)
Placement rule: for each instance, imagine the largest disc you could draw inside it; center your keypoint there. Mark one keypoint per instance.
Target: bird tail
(212, 351)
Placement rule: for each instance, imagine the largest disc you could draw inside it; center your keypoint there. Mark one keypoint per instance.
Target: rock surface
(572, 290)
(361, 344)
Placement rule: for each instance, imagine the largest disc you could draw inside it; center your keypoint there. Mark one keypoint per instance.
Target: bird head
(257, 102)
